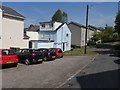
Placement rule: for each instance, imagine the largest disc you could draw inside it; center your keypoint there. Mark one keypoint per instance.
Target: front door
(30, 44)
(63, 46)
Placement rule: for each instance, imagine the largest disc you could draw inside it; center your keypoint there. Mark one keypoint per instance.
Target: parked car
(59, 52)
(29, 56)
(8, 57)
(16, 49)
(48, 54)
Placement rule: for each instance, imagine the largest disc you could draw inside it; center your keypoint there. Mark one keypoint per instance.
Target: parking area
(49, 74)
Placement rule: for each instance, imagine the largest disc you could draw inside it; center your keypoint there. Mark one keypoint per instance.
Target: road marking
(75, 73)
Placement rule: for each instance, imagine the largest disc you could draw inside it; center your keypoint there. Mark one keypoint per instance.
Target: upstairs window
(43, 25)
(50, 25)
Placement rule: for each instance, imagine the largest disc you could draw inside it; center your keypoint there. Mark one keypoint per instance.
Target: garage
(41, 44)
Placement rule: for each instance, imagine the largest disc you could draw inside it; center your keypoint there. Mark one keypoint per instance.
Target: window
(24, 51)
(50, 25)
(59, 51)
(67, 34)
(43, 25)
(8, 52)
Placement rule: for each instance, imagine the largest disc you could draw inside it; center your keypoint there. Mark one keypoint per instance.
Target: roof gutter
(14, 16)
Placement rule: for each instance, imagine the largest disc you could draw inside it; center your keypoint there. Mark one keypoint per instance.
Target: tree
(117, 24)
(57, 16)
(106, 35)
(64, 17)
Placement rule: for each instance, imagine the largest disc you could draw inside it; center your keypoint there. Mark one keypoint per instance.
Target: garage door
(46, 45)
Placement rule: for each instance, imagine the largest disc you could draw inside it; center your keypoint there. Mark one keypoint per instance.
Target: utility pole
(86, 29)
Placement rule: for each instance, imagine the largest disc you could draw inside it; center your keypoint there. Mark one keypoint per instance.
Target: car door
(60, 53)
(12, 56)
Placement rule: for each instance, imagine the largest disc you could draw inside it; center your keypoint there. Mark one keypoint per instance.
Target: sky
(100, 13)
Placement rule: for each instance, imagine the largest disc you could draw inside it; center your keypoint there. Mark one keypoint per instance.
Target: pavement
(49, 74)
(103, 72)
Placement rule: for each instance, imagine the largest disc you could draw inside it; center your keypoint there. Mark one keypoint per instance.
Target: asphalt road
(104, 72)
(50, 74)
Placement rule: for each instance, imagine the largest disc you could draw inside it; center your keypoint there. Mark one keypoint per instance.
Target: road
(104, 72)
(50, 74)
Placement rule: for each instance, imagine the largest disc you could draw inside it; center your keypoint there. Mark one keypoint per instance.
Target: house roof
(11, 12)
(25, 36)
(47, 22)
(77, 24)
(59, 26)
(33, 28)
(93, 27)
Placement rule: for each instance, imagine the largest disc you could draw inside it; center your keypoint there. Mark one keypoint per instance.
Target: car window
(8, 52)
(24, 51)
(59, 51)
(11, 52)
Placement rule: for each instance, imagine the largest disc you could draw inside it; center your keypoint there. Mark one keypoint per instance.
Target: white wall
(13, 33)
(62, 38)
(46, 45)
(56, 25)
(82, 36)
(0, 28)
(47, 35)
(32, 35)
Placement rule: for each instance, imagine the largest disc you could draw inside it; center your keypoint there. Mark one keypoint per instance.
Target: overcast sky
(100, 13)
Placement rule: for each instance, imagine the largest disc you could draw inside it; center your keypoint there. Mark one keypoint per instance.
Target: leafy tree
(117, 23)
(64, 17)
(57, 16)
(106, 35)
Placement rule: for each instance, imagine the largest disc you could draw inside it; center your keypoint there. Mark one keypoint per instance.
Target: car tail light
(1, 58)
(33, 54)
(48, 54)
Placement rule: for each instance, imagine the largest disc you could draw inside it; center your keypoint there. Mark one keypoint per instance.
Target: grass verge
(78, 53)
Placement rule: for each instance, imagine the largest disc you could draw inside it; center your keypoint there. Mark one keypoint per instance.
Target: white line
(76, 73)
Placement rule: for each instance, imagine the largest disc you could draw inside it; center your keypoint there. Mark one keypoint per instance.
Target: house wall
(90, 34)
(0, 28)
(62, 37)
(13, 33)
(46, 45)
(33, 35)
(82, 36)
(56, 25)
(47, 35)
(76, 34)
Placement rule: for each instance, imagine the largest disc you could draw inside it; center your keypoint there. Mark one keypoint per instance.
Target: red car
(8, 57)
(59, 52)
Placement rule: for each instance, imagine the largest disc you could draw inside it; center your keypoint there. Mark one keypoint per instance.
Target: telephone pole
(86, 29)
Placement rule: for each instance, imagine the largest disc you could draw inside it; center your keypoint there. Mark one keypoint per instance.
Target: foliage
(59, 16)
(117, 23)
(106, 35)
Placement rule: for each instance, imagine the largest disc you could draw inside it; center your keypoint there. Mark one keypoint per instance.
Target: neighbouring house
(12, 32)
(78, 33)
(95, 29)
(50, 35)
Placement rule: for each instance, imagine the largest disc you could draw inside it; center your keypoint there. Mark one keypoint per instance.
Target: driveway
(50, 74)
(104, 72)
